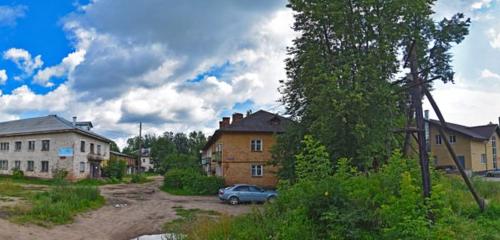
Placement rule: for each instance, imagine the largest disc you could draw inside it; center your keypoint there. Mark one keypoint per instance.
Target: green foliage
(191, 182)
(342, 66)
(313, 162)
(115, 169)
(139, 178)
(60, 205)
(59, 174)
(382, 204)
(17, 173)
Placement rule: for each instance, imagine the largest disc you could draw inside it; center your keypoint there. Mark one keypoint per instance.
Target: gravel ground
(131, 210)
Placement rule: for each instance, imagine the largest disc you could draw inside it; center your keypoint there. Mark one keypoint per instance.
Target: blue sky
(182, 66)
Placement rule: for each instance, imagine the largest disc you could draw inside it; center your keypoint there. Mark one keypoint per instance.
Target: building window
(98, 149)
(256, 145)
(4, 146)
(17, 164)
(17, 146)
(82, 166)
(144, 160)
(438, 139)
(4, 165)
(45, 166)
(92, 148)
(453, 139)
(82, 146)
(31, 146)
(31, 166)
(45, 145)
(483, 158)
(257, 170)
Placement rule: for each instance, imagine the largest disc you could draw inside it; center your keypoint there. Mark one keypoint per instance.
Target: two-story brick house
(239, 151)
(39, 146)
(476, 146)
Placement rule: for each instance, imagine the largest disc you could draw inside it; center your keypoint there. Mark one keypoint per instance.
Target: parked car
(246, 193)
(493, 173)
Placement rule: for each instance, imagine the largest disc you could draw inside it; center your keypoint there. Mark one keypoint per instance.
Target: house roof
(260, 121)
(482, 132)
(41, 125)
(121, 154)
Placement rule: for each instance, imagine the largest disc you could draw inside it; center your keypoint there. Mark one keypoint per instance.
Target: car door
(257, 194)
(243, 193)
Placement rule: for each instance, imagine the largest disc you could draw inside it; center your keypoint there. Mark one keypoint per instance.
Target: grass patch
(58, 205)
(188, 219)
(9, 189)
(28, 180)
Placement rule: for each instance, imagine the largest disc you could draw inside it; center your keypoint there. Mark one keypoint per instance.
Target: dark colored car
(245, 193)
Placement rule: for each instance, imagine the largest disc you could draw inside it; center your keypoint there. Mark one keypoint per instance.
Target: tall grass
(9, 189)
(60, 204)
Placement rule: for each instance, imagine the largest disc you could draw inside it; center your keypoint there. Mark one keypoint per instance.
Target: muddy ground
(131, 210)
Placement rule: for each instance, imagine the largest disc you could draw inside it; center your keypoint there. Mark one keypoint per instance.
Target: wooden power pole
(417, 91)
(139, 149)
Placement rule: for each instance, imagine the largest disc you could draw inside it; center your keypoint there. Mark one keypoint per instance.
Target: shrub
(139, 178)
(192, 182)
(17, 173)
(115, 169)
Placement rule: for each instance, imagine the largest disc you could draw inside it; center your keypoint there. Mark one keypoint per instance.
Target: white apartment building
(38, 146)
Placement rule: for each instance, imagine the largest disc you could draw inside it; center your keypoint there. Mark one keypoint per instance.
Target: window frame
(483, 158)
(44, 170)
(255, 170)
(43, 149)
(83, 145)
(254, 144)
(454, 138)
(82, 167)
(4, 146)
(439, 139)
(4, 165)
(29, 145)
(17, 164)
(30, 166)
(20, 146)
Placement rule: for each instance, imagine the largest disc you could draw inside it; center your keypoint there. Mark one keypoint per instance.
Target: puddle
(164, 236)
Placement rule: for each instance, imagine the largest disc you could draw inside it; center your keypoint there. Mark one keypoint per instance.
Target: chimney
(224, 123)
(237, 117)
(74, 121)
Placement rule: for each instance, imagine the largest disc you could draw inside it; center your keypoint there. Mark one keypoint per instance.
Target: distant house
(39, 146)
(239, 151)
(475, 146)
(129, 159)
(146, 160)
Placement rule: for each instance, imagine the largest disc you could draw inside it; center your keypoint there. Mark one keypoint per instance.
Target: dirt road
(131, 210)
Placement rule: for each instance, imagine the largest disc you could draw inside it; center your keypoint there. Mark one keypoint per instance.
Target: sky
(182, 65)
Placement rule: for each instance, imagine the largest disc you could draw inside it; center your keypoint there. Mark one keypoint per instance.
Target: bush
(17, 173)
(191, 182)
(139, 178)
(115, 169)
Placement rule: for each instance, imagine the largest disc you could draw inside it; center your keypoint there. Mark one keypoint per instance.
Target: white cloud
(10, 14)
(67, 65)
(494, 37)
(481, 4)
(3, 76)
(486, 73)
(23, 60)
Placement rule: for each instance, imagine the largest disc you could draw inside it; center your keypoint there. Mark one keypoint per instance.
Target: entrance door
(461, 161)
(95, 170)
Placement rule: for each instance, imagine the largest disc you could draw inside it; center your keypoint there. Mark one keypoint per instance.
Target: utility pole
(416, 99)
(139, 149)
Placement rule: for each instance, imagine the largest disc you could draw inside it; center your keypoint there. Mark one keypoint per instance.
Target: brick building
(239, 151)
(39, 146)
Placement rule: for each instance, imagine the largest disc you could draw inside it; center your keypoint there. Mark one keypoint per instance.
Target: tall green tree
(342, 70)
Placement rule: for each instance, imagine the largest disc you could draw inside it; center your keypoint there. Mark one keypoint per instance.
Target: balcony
(205, 160)
(95, 157)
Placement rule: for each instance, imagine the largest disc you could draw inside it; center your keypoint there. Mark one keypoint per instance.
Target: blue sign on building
(66, 152)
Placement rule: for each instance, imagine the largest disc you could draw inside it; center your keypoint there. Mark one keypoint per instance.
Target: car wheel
(271, 199)
(234, 201)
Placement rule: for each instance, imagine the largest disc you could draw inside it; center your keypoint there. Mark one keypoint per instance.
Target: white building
(146, 161)
(39, 146)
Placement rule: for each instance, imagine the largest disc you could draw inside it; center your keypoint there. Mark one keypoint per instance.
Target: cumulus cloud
(481, 4)
(494, 37)
(486, 73)
(23, 60)
(67, 65)
(10, 14)
(3, 76)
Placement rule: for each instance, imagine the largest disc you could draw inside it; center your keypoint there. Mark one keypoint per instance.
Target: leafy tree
(114, 147)
(341, 73)
(313, 162)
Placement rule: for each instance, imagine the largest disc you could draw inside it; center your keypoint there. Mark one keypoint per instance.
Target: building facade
(475, 147)
(240, 150)
(41, 146)
(129, 159)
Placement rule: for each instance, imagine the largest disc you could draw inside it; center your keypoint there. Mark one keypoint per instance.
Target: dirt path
(142, 209)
